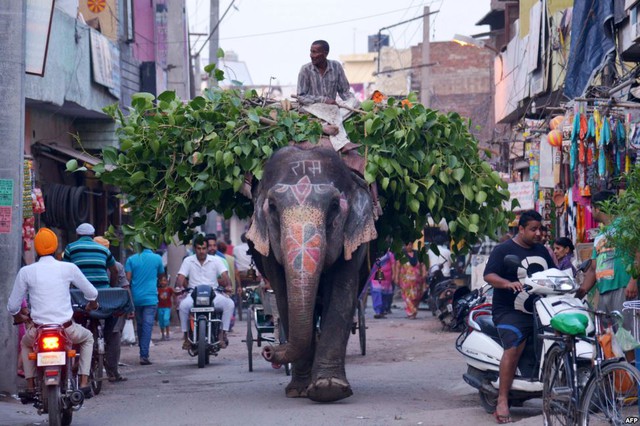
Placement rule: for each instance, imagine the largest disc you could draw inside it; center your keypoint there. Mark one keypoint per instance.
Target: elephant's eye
(333, 211)
(272, 207)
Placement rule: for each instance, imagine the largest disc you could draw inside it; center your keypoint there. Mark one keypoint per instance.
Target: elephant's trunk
(303, 245)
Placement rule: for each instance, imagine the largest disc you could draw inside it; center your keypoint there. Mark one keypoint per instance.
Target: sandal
(117, 378)
(502, 419)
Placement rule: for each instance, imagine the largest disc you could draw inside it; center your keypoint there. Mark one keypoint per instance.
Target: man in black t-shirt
(514, 326)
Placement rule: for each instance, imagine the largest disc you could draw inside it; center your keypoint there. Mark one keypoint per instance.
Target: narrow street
(411, 375)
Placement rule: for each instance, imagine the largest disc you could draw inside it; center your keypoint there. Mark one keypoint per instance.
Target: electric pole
(425, 83)
(214, 43)
(12, 127)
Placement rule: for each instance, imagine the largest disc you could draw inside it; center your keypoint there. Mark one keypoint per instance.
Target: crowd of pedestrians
(88, 264)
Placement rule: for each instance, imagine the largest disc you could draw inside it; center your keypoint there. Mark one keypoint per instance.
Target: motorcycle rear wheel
(54, 408)
(202, 342)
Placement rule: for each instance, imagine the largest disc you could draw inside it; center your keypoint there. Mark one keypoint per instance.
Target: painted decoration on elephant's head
(303, 188)
(304, 243)
(306, 167)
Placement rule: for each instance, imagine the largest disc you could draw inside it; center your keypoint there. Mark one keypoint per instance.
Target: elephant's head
(309, 209)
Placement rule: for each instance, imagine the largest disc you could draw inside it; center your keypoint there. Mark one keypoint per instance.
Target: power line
(311, 27)
(216, 27)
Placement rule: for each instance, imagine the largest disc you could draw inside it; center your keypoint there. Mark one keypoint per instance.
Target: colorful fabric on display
(605, 138)
(575, 133)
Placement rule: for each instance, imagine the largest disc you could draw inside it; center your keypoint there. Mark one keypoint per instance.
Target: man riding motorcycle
(47, 284)
(514, 326)
(202, 268)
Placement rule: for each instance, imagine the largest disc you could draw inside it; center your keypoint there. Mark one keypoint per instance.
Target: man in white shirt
(47, 284)
(441, 261)
(202, 268)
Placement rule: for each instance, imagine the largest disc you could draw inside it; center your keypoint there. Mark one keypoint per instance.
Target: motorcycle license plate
(51, 358)
(450, 307)
(207, 309)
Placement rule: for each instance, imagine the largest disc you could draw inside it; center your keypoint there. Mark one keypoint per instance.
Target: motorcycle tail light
(71, 353)
(50, 343)
(33, 356)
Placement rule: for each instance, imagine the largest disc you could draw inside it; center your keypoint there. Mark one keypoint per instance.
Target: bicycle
(608, 394)
(96, 374)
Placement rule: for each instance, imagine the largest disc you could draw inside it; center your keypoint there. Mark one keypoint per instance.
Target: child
(165, 294)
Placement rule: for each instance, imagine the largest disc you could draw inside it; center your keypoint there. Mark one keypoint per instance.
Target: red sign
(5, 219)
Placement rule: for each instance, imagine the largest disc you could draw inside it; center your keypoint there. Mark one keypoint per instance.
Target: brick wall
(461, 81)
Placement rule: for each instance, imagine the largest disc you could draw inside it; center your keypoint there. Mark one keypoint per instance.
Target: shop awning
(62, 153)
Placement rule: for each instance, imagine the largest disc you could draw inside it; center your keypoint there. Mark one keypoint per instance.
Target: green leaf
(467, 192)
(385, 183)
(253, 116)
(137, 177)
(367, 105)
(458, 174)
(143, 96)
(481, 197)
(414, 206)
(72, 165)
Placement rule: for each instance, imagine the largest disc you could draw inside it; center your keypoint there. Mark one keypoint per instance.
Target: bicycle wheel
(97, 372)
(557, 390)
(249, 339)
(611, 397)
(362, 329)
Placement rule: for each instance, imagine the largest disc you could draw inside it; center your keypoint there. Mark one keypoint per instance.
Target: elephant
(312, 223)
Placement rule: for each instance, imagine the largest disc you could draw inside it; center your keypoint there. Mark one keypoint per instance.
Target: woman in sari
(410, 276)
(382, 290)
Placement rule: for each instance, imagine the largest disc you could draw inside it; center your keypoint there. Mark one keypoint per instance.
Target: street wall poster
(39, 15)
(523, 192)
(6, 202)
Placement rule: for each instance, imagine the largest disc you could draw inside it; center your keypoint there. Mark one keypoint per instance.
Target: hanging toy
(554, 138)
(556, 122)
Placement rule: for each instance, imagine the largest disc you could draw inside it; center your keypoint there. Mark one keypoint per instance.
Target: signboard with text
(523, 192)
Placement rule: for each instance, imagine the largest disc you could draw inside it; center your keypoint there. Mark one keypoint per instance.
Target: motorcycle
(480, 344)
(464, 300)
(56, 386)
(205, 323)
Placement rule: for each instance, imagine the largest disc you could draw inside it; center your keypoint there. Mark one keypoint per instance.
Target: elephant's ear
(360, 227)
(258, 231)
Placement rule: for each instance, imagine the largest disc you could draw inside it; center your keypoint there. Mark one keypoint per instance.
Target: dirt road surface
(411, 375)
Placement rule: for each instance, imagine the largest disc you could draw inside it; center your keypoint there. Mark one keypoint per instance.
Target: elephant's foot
(297, 388)
(329, 389)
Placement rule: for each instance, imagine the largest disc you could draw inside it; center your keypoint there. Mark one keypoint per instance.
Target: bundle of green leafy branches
(177, 159)
(625, 213)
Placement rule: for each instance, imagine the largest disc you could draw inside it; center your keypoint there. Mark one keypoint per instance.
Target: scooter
(480, 344)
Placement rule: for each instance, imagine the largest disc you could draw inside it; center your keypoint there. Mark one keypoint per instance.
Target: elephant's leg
(329, 381)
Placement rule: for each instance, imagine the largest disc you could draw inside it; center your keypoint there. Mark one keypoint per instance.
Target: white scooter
(480, 343)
